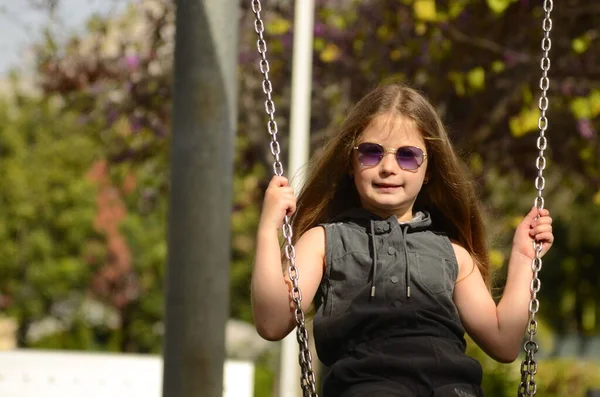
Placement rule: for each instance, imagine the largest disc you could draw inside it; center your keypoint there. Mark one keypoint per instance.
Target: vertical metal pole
(302, 66)
(204, 122)
(289, 381)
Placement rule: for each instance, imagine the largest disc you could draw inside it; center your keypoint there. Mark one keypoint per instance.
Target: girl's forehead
(393, 130)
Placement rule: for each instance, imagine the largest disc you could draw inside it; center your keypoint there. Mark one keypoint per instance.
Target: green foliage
(499, 6)
(47, 210)
(264, 379)
(118, 96)
(555, 377)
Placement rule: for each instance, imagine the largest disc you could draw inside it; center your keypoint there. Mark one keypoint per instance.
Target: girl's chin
(391, 207)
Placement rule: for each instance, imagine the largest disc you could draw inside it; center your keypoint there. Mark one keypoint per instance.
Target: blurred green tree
(47, 215)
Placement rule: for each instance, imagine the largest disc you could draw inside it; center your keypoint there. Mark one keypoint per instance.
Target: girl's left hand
(531, 229)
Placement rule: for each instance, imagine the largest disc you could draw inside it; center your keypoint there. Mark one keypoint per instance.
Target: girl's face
(388, 185)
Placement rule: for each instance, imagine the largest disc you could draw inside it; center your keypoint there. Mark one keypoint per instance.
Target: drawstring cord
(374, 260)
(404, 231)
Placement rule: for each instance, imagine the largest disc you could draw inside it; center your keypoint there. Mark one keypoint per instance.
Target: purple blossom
(111, 115)
(136, 123)
(319, 29)
(566, 88)
(162, 131)
(586, 129)
(509, 58)
(287, 39)
(132, 62)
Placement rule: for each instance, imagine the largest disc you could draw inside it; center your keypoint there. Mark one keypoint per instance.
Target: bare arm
(272, 306)
(499, 330)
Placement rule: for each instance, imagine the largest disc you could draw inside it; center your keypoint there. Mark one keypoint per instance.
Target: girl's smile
(386, 187)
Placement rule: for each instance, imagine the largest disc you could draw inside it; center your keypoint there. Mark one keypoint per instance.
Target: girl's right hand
(279, 201)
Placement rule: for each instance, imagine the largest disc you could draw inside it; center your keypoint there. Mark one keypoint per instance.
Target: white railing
(36, 373)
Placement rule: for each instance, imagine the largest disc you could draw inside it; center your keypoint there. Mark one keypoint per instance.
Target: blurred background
(85, 126)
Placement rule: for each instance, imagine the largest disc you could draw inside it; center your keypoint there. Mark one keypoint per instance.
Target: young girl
(392, 253)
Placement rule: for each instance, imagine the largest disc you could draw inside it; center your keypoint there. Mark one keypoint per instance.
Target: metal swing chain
(528, 387)
(307, 378)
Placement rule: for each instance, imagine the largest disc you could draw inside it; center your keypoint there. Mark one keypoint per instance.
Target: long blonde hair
(450, 195)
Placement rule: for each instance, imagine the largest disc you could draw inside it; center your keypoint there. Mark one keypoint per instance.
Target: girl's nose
(388, 163)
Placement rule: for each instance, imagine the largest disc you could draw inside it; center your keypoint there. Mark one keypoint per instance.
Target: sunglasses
(409, 158)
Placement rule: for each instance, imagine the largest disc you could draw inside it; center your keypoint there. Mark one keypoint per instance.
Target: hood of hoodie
(362, 217)
(373, 225)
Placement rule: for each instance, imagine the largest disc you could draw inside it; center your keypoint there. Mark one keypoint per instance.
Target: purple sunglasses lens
(409, 158)
(370, 154)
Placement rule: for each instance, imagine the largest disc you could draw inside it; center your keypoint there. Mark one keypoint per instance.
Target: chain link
(307, 377)
(529, 367)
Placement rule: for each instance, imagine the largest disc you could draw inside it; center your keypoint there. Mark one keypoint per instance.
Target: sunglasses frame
(393, 151)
